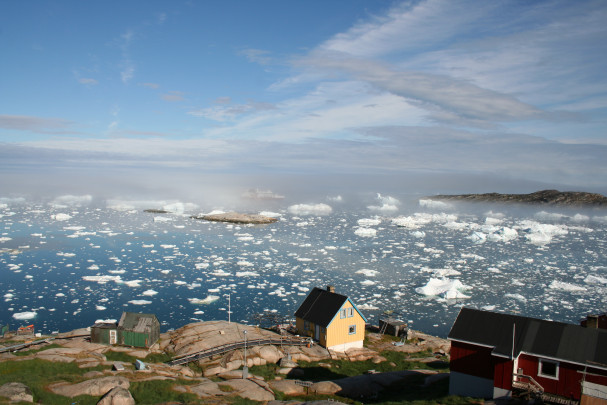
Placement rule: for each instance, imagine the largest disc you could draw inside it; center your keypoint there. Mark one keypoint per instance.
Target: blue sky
(510, 90)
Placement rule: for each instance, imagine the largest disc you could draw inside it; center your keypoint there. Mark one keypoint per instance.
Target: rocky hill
(544, 197)
(107, 373)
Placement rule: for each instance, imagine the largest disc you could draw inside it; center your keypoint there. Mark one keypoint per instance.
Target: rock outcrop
(544, 197)
(95, 387)
(16, 392)
(257, 390)
(117, 396)
(236, 218)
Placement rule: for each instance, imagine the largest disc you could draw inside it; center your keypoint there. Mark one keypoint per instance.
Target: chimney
(331, 288)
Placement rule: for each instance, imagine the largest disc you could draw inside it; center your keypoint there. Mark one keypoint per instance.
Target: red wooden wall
(570, 377)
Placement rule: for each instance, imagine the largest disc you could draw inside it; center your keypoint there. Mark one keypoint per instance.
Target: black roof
(556, 340)
(320, 306)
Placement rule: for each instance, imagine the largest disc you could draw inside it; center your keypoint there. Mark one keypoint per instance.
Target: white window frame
(342, 313)
(540, 369)
(352, 330)
(350, 312)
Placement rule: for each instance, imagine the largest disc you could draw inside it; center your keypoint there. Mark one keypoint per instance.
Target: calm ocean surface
(65, 265)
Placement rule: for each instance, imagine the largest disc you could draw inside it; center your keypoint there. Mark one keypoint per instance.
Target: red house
(496, 355)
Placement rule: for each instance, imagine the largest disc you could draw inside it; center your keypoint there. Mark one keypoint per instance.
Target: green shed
(105, 333)
(138, 330)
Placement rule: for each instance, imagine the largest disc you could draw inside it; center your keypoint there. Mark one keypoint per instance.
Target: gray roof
(549, 339)
(140, 323)
(320, 306)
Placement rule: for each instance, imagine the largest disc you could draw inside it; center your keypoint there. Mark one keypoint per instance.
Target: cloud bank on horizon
(511, 89)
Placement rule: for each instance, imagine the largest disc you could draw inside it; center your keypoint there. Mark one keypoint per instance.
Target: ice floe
(140, 302)
(561, 285)
(310, 209)
(366, 232)
(205, 301)
(24, 316)
(61, 217)
(446, 288)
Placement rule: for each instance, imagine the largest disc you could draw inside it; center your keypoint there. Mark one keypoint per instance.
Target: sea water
(66, 266)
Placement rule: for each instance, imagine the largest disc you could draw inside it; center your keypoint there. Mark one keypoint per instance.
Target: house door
(317, 332)
(113, 339)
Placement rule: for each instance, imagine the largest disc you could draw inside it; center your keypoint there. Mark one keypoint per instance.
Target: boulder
(251, 389)
(360, 354)
(206, 388)
(16, 392)
(117, 396)
(95, 387)
(325, 388)
(288, 387)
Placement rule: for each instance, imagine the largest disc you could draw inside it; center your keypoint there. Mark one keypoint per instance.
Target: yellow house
(331, 319)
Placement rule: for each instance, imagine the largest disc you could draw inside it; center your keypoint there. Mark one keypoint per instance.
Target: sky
(454, 95)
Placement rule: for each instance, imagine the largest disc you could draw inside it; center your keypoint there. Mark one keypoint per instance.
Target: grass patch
(157, 358)
(345, 368)
(225, 388)
(160, 391)
(37, 374)
(267, 371)
(36, 350)
(119, 356)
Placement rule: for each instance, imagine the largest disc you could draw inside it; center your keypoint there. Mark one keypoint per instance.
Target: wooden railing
(532, 385)
(190, 357)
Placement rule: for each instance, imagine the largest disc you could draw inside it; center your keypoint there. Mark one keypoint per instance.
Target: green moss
(267, 371)
(160, 391)
(37, 374)
(36, 349)
(157, 358)
(119, 356)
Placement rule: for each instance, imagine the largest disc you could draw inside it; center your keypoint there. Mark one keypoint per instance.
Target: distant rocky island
(544, 197)
(237, 218)
(155, 211)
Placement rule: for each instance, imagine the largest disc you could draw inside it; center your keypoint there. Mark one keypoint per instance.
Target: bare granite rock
(236, 218)
(325, 388)
(251, 389)
(95, 387)
(16, 392)
(117, 396)
(288, 387)
(206, 388)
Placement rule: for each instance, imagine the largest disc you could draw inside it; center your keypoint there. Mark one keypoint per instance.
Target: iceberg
(205, 301)
(561, 285)
(140, 302)
(366, 232)
(24, 316)
(449, 289)
(310, 209)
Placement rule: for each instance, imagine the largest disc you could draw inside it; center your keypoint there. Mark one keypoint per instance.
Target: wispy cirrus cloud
(150, 85)
(227, 112)
(259, 56)
(173, 96)
(127, 66)
(40, 125)
(88, 81)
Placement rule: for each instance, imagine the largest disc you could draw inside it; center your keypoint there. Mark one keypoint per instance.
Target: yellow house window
(352, 330)
(350, 312)
(342, 313)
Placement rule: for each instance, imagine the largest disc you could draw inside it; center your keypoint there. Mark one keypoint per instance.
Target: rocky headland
(219, 379)
(236, 218)
(544, 197)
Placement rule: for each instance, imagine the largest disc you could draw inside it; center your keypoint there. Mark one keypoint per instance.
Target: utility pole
(230, 308)
(245, 369)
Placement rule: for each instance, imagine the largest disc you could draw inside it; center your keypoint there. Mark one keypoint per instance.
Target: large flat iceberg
(446, 288)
